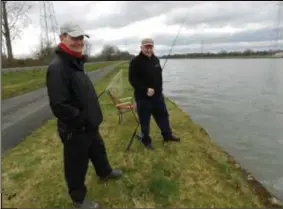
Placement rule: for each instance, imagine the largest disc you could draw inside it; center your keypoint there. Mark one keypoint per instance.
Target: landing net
(116, 85)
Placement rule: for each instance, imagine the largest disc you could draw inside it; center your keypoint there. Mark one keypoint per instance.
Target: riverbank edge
(231, 57)
(265, 197)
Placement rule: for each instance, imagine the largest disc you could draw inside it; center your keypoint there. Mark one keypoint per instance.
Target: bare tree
(4, 51)
(14, 19)
(109, 51)
(43, 54)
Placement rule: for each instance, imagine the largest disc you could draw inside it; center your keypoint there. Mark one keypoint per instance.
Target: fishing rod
(174, 42)
(170, 50)
(101, 93)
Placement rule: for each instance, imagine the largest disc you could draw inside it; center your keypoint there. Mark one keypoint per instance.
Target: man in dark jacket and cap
(74, 102)
(145, 76)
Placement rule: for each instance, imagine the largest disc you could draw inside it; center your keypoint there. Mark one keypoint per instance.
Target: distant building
(278, 54)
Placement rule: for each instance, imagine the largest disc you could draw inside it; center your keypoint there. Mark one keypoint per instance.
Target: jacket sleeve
(134, 80)
(59, 98)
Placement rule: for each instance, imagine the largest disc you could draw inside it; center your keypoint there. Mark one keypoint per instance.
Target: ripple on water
(241, 106)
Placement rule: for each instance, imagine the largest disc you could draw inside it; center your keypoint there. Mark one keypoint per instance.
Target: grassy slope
(194, 173)
(17, 83)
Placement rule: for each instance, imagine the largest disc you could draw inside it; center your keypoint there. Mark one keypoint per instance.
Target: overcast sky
(218, 25)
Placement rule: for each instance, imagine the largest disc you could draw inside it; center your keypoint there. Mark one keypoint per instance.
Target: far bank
(225, 57)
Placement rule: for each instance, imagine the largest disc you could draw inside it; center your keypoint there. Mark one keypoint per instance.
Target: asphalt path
(23, 114)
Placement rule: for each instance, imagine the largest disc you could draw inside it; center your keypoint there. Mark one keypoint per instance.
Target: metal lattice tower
(48, 25)
(87, 47)
(278, 34)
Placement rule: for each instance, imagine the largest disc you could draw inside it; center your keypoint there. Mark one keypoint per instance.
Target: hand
(150, 92)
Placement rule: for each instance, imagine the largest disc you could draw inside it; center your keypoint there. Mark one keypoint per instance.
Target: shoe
(86, 204)
(113, 175)
(148, 146)
(139, 136)
(172, 139)
(146, 143)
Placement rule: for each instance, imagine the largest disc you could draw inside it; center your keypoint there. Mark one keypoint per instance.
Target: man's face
(147, 50)
(75, 44)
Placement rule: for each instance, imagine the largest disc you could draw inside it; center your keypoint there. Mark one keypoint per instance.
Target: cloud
(263, 34)
(209, 40)
(218, 25)
(222, 14)
(134, 11)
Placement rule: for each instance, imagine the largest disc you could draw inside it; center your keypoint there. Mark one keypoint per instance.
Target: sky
(204, 26)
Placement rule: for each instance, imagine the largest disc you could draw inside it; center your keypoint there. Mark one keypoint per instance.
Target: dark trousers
(156, 107)
(79, 148)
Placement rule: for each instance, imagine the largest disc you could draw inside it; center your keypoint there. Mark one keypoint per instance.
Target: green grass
(17, 83)
(94, 67)
(192, 174)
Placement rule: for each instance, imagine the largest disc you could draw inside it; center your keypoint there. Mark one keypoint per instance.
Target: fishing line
(174, 42)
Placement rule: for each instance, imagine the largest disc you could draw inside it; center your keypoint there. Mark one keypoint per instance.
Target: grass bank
(17, 83)
(192, 174)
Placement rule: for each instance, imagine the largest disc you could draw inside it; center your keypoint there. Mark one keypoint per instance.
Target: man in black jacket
(74, 102)
(145, 75)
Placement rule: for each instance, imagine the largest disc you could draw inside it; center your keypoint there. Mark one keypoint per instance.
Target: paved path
(23, 114)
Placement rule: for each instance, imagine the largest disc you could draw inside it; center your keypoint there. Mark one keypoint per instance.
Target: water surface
(240, 103)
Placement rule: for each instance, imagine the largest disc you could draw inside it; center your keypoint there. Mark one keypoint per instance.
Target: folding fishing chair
(122, 105)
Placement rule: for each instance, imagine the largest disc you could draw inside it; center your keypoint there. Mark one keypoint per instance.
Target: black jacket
(144, 73)
(72, 97)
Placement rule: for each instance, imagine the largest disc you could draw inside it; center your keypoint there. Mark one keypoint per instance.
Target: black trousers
(156, 107)
(79, 148)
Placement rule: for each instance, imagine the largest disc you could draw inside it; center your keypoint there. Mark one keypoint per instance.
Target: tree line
(44, 56)
(223, 53)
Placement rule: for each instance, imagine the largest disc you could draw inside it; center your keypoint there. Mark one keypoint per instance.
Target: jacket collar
(77, 63)
(146, 57)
